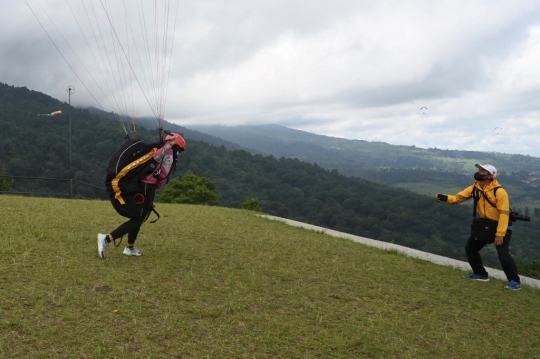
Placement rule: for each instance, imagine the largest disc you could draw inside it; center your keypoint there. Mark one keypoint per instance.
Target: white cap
(488, 168)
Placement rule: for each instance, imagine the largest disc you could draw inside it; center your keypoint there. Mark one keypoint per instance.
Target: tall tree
(191, 189)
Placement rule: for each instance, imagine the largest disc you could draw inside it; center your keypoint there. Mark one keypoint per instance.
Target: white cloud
(353, 69)
(520, 71)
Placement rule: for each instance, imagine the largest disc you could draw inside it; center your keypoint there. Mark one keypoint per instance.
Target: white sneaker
(132, 252)
(101, 244)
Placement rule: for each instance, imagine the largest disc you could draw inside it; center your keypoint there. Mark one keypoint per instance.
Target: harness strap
(157, 214)
(149, 212)
(476, 197)
(488, 201)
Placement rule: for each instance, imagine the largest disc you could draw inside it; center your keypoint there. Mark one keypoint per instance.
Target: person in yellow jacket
(486, 183)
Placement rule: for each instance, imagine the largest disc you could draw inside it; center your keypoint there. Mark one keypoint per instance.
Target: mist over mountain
(150, 123)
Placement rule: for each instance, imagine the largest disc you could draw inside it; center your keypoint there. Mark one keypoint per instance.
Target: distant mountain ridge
(150, 124)
(350, 156)
(424, 171)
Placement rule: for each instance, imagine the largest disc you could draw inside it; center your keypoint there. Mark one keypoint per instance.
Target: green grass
(223, 283)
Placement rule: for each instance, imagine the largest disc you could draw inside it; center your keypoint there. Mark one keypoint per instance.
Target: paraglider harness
(130, 163)
(484, 229)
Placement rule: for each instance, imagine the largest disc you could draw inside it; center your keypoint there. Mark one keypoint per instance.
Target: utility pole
(70, 90)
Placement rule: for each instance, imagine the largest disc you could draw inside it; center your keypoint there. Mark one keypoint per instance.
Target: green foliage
(252, 204)
(48, 154)
(530, 270)
(424, 171)
(5, 181)
(191, 189)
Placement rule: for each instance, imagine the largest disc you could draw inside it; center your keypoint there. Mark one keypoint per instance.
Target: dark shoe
(476, 277)
(513, 285)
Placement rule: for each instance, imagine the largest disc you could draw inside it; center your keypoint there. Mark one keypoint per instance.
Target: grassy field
(223, 283)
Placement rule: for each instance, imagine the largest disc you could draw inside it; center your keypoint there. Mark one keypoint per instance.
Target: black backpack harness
(483, 229)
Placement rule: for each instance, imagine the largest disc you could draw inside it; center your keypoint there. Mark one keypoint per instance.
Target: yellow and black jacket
(484, 209)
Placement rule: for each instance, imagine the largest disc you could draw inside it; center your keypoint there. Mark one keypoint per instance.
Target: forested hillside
(39, 146)
(282, 141)
(424, 171)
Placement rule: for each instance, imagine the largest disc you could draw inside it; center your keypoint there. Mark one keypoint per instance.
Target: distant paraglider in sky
(51, 114)
(497, 130)
(423, 109)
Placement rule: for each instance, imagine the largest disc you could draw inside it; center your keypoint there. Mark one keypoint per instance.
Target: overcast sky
(353, 69)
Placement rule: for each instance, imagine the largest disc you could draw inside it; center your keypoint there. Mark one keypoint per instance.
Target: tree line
(285, 187)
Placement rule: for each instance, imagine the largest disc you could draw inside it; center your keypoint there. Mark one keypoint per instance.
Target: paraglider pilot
(134, 173)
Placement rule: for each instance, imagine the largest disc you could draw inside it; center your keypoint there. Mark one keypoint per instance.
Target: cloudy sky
(355, 69)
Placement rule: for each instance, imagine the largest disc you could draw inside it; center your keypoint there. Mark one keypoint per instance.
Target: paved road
(434, 258)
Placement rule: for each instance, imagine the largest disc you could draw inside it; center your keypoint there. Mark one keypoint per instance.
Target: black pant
(473, 247)
(133, 225)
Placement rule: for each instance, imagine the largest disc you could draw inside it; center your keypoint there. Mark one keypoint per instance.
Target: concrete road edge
(434, 258)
